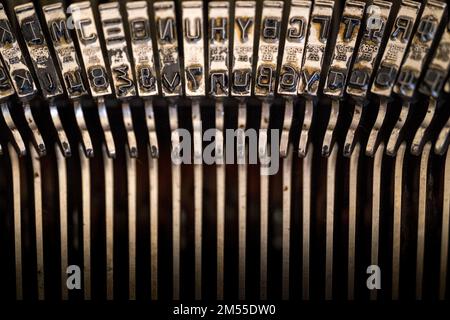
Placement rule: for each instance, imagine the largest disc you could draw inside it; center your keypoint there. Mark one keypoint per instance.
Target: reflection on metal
(86, 212)
(375, 133)
(132, 220)
(242, 198)
(350, 138)
(63, 227)
(153, 178)
(443, 140)
(220, 172)
(198, 196)
(264, 196)
(287, 122)
(152, 137)
(128, 122)
(422, 132)
(396, 232)
(37, 138)
(396, 48)
(376, 203)
(352, 216)
(318, 33)
(109, 222)
(445, 230)
(421, 220)
(63, 141)
(304, 134)
(331, 185)
(104, 121)
(15, 168)
(38, 221)
(306, 212)
(176, 203)
(286, 233)
(396, 137)
(17, 137)
(85, 136)
(329, 133)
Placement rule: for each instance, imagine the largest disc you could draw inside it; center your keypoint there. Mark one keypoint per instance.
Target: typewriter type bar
(419, 49)
(99, 83)
(142, 50)
(318, 33)
(396, 48)
(69, 65)
(433, 83)
(242, 59)
(124, 88)
(94, 64)
(38, 50)
(167, 48)
(166, 36)
(218, 49)
(44, 66)
(412, 68)
(120, 65)
(264, 88)
(344, 48)
(20, 76)
(364, 65)
(319, 29)
(194, 85)
(193, 45)
(218, 80)
(269, 41)
(369, 49)
(390, 64)
(340, 65)
(294, 48)
(6, 92)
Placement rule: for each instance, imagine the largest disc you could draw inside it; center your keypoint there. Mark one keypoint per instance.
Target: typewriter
(224, 150)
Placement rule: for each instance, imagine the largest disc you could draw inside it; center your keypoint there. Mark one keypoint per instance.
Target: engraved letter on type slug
(242, 59)
(14, 60)
(319, 29)
(193, 45)
(377, 16)
(166, 35)
(39, 51)
(91, 52)
(419, 48)
(219, 33)
(65, 50)
(269, 40)
(396, 48)
(142, 48)
(116, 46)
(294, 47)
(437, 70)
(344, 48)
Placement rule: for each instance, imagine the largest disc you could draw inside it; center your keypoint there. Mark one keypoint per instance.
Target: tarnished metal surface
(344, 48)
(294, 47)
(193, 46)
(396, 47)
(244, 38)
(318, 32)
(142, 48)
(166, 35)
(269, 41)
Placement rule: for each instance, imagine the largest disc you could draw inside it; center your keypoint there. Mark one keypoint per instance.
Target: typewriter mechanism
(225, 150)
